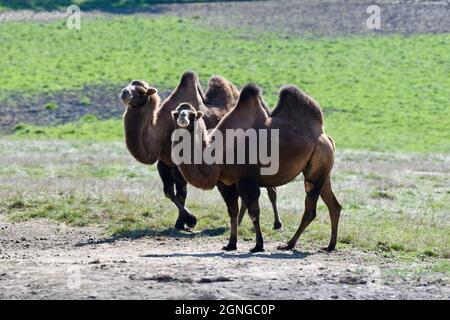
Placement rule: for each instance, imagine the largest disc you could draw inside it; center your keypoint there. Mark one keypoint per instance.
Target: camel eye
(141, 89)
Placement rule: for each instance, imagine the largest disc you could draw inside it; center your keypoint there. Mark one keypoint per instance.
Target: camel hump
(248, 93)
(221, 93)
(217, 81)
(189, 81)
(188, 77)
(297, 105)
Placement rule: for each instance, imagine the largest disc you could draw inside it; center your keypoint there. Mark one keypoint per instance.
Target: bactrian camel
(148, 128)
(303, 146)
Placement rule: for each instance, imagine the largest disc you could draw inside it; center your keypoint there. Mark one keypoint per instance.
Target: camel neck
(201, 175)
(142, 137)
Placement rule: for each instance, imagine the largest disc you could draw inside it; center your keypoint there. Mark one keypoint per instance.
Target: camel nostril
(126, 94)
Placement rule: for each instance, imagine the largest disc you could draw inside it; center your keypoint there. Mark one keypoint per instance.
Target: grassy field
(394, 204)
(379, 93)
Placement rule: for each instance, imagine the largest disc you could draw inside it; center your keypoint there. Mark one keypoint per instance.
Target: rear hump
(221, 93)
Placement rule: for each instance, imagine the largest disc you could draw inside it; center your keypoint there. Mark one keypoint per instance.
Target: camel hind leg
(334, 208)
(242, 211)
(312, 195)
(272, 193)
(316, 175)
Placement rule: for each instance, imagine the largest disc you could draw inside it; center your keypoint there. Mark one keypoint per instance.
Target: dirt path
(43, 260)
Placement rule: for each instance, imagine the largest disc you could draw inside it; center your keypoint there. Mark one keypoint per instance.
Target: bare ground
(43, 260)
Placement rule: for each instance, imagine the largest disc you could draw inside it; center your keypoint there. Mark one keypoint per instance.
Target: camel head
(185, 115)
(137, 94)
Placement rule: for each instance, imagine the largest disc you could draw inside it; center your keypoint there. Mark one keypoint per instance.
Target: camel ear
(175, 115)
(199, 115)
(151, 91)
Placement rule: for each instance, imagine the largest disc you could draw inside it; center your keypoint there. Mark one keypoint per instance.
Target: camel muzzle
(126, 95)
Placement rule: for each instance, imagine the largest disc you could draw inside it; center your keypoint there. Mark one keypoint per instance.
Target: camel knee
(168, 192)
(310, 215)
(249, 191)
(181, 194)
(253, 214)
(312, 188)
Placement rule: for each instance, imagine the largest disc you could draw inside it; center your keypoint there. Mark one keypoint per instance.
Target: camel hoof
(330, 248)
(179, 225)
(191, 221)
(277, 225)
(230, 247)
(257, 248)
(285, 247)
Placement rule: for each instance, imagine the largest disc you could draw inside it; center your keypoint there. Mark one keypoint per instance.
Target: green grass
(379, 93)
(133, 216)
(51, 106)
(98, 183)
(87, 128)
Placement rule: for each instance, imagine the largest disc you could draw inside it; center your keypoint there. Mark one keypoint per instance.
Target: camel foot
(179, 225)
(285, 247)
(330, 248)
(257, 248)
(191, 220)
(277, 225)
(230, 247)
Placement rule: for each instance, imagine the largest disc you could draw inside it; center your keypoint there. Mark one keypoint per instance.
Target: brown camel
(148, 128)
(303, 145)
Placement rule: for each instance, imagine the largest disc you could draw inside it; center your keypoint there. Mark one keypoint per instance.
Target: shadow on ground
(225, 255)
(101, 5)
(150, 232)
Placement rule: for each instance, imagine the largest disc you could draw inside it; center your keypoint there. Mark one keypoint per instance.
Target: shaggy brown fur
(303, 146)
(149, 126)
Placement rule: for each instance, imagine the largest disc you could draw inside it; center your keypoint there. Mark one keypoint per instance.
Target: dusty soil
(45, 260)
